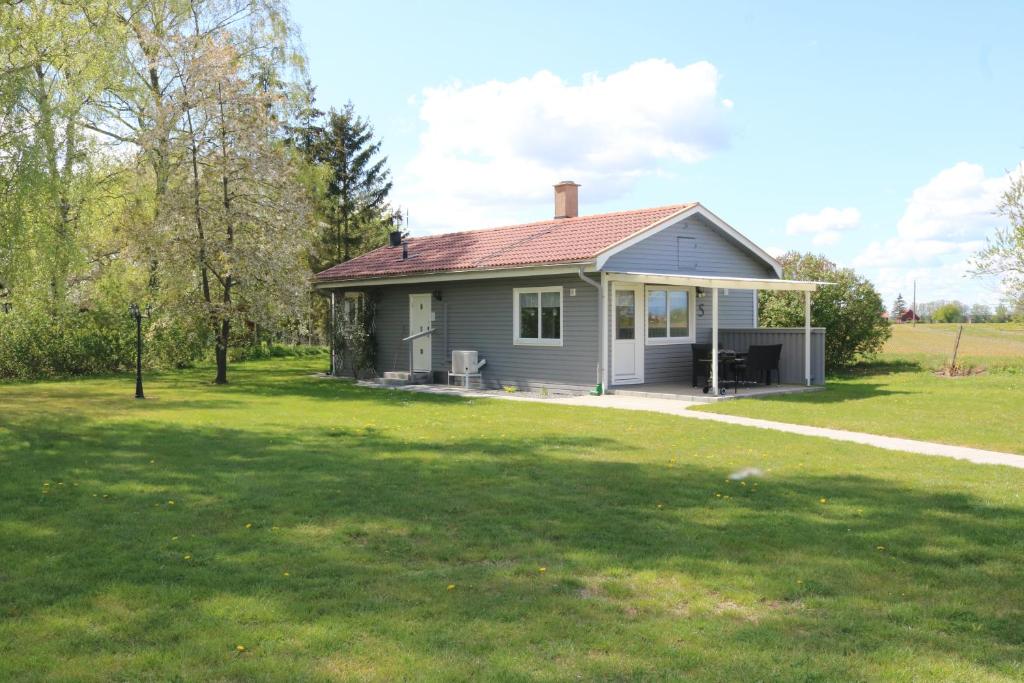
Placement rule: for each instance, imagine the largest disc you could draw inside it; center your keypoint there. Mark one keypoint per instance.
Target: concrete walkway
(671, 407)
(683, 409)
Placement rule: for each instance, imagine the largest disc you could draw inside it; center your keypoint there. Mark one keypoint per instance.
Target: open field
(900, 394)
(995, 344)
(339, 533)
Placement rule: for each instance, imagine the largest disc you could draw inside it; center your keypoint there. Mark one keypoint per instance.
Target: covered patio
(652, 320)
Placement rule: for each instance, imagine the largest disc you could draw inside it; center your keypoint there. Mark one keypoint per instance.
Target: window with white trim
(538, 316)
(351, 304)
(670, 315)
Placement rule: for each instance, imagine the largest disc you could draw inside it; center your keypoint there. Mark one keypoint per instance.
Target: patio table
(727, 360)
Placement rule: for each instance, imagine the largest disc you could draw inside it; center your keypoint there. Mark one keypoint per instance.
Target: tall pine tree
(899, 307)
(355, 211)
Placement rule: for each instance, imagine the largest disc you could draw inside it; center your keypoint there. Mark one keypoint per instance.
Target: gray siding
(478, 315)
(692, 247)
(791, 363)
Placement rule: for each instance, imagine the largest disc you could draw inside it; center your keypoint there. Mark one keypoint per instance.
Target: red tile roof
(561, 240)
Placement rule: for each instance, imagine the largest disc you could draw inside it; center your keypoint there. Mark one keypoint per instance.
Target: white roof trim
(698, 208)
(719, 282)
(466, 274)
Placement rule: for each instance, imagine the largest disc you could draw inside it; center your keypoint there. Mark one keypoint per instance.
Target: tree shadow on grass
(837, 393)
(880, 366)
(372, 524)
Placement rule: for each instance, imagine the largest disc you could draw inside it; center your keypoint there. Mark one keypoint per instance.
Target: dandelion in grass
(542, 569)
(451, 586)
(823, 500)
(187, 558)
(248, 525)
(240, 648)
(170, 502)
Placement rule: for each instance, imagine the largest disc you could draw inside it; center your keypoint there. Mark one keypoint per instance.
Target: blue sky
(878, 134)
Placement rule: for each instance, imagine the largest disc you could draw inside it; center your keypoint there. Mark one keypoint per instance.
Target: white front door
(627, 333)
(419, 321)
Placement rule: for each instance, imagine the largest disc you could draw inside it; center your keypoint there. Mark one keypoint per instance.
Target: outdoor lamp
(137, 315)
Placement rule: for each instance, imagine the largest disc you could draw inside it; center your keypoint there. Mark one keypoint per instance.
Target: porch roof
(713, 281)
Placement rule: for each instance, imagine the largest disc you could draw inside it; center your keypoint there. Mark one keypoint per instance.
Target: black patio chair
(701, 359)
(761, 361)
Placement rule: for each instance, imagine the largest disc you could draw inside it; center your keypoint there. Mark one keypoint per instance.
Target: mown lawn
(339, 533)
(901, 394)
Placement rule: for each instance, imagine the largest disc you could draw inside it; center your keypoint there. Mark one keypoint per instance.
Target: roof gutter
(598, 388)
(566, 268)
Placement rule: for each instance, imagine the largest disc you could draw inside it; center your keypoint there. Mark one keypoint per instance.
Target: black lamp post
(138, 314)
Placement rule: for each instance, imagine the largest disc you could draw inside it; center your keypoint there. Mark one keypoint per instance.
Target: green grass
(901, 395)
(340, 533)
(994, 345)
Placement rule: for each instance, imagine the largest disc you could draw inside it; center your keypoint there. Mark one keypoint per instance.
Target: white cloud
(825, 226)
(902, 251)
(949, 281)
(945, 222)
(947, 217)
(491, 152)
(957, 204)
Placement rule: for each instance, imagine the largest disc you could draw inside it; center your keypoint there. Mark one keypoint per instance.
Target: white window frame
(538, 341)
(691, 297)
(357, 298)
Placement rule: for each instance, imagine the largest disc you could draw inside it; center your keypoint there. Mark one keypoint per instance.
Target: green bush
(850, 309)
(951, 312)
(265, 350)
(175, 341)
(39, 341)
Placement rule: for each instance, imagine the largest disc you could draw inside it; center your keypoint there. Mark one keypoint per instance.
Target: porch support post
(714, 340)
(603, 327)
(807, 337)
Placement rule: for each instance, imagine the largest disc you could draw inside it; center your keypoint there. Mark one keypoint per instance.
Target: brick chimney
(567, 199)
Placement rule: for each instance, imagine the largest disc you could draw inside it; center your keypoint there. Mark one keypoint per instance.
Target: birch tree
(234, 222)
(1003, 255)
(54, 59)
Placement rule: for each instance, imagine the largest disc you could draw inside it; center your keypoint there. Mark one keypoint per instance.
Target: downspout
(598, 387)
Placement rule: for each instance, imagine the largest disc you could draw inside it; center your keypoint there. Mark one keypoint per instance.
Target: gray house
(614, 299)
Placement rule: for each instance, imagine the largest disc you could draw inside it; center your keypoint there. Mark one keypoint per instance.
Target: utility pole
(914, 320)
